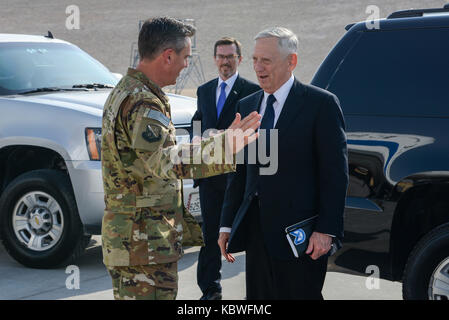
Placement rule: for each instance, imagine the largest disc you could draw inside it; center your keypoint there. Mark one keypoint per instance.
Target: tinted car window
(26, 66)
(400, 72)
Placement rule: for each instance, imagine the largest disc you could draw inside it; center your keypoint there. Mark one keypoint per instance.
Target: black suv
(393, 86)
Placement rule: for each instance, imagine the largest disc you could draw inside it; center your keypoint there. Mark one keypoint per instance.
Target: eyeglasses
(229, 57)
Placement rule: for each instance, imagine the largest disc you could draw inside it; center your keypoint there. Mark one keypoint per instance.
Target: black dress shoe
(212, 295)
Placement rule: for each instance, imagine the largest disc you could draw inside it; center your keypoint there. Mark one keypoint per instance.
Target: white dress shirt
(280, 95)
(229, 84)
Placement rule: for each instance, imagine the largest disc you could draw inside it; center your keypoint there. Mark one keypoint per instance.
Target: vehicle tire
(39, 222)
(426, 274)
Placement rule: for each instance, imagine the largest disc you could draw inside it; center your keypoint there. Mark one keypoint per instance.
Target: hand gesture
(242, 132)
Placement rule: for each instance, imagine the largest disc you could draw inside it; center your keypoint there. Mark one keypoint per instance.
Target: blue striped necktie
(221, 99)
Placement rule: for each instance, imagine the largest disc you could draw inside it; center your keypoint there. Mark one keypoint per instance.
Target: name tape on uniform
(158, 116)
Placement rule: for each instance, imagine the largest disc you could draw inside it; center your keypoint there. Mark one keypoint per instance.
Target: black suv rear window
(400, 72)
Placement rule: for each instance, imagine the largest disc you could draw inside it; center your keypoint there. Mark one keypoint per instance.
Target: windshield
(28, 66)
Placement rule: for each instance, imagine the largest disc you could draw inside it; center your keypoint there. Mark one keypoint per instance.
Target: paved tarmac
(20, 283)
(108, 28)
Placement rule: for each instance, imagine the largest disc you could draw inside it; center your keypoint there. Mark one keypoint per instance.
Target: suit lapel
(211, 103)
(231, 99)
(292, 107)
(257, 102)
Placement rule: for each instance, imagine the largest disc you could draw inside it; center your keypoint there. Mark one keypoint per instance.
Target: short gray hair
(287, 40)
(161, 33)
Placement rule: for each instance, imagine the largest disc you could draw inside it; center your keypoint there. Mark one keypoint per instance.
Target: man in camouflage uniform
(145, 223)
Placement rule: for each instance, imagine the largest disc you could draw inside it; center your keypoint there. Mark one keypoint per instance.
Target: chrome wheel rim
(38, 221)
(439, 282)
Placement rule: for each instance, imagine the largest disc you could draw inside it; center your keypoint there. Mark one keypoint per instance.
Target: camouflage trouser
(150, 282)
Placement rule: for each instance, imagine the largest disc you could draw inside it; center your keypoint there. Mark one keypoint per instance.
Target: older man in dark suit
(311, 178)
(216, 111)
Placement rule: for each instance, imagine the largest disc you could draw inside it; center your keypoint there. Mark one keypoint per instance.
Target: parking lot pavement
(18, 282)
(108, 28)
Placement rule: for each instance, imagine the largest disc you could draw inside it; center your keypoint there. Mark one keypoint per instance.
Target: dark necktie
(221, 99)
(268, 120)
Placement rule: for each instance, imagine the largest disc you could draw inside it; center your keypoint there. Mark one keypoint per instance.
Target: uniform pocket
(164, 229)
(155, 200)
(121, 203)
(116, 234)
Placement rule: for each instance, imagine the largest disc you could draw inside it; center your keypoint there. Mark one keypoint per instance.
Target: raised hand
(242, 132)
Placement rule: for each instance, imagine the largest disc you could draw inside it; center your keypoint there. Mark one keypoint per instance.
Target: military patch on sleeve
(151, 136)
(158, 116)
(151, 130)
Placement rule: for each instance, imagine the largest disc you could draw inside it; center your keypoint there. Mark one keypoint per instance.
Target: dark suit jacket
(207, 111)
(311, 179)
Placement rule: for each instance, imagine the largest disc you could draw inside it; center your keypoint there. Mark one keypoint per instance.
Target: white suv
(51, 193)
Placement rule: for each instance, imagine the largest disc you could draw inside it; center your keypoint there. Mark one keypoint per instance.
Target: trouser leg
(150, 282)
(259, 285)
(301, 279)
(209, 259)
(267, 278)
(208, 270)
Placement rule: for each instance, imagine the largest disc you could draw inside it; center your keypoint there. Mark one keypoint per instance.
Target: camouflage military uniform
(145, 219)
(150, 282)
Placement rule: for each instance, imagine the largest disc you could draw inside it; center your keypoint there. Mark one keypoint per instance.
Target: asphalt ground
(108, 30)
(20, 283)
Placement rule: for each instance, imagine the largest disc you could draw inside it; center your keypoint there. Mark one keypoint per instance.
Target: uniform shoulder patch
(151, 136)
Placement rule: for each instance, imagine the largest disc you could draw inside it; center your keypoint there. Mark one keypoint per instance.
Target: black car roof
(409, 19)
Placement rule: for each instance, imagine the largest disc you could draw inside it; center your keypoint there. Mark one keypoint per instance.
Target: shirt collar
(230, 81)
(282, 93)
(147, 82)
